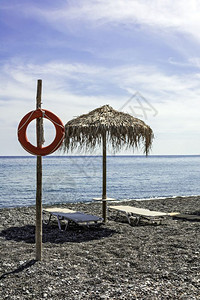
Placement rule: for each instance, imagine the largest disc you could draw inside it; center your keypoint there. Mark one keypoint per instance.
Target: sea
(68, 179)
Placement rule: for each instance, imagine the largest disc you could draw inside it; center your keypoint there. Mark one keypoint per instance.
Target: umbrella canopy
(121, 129)
(104, 125)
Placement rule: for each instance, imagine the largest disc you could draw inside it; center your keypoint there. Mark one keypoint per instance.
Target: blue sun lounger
(71, 216)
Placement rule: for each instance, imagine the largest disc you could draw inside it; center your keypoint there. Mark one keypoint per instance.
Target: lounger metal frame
(71, 216)
(140, 214)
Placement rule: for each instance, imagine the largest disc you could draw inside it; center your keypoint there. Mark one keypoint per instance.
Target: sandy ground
(113, 261)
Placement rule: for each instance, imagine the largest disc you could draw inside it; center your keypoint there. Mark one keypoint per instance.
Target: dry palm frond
(121, 130)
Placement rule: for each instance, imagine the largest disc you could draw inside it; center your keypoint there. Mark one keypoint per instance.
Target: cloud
(91, 53)
(195, 61)
(92, 27)
(87, 79)
(181, 16)
(174, 97)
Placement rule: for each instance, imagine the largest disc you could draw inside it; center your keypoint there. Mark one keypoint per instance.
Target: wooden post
(39, 129)
(104, 204)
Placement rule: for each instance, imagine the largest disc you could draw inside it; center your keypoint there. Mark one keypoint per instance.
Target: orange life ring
(41, 151)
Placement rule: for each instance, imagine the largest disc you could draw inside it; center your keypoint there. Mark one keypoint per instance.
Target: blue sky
(91, 53)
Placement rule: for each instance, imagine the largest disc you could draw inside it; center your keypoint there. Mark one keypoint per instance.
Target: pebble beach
(112, 261)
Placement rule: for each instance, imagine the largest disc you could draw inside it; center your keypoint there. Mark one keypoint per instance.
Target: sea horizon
(78, 178)
(100, 155)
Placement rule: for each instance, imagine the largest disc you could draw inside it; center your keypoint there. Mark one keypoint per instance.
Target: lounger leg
(138, 220)
(46, 223)
(43, 218)
(67, 223)
(49, 219)
(129, 221)
(59, 225)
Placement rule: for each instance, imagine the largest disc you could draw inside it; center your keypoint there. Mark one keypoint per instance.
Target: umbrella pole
(104, 204)
(39, 127)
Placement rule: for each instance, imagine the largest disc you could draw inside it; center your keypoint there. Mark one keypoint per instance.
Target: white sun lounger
(72, 216)
(140, 213)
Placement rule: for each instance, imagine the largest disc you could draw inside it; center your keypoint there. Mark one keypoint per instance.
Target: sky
(139, 56)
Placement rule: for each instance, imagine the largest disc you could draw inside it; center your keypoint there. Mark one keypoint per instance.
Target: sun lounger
(187, 217)
(141, 214)
(72, 216)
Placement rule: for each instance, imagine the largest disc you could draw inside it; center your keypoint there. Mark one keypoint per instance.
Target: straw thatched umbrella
(104, 125)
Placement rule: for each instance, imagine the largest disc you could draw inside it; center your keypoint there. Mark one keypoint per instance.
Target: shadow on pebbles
(112, 261)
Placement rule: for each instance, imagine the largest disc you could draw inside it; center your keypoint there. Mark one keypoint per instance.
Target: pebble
(115, 261)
